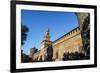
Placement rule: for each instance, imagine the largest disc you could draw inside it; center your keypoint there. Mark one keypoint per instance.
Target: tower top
(47, 35)
(48, 30)
(46, 42)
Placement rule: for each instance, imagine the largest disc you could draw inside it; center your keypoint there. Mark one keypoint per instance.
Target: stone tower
(32, 52)
(46, 42)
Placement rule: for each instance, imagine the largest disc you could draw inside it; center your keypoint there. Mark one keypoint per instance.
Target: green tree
(24, 30)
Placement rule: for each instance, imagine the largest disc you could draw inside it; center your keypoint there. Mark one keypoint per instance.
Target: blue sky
(38, 22)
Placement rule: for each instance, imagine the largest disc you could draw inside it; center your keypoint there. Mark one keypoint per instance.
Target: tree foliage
(24, 30)
(25, 58)
(74, 56)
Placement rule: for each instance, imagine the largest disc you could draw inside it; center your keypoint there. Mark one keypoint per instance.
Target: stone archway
(84, 23)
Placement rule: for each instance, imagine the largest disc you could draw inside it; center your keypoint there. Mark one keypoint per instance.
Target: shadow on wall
(49, 56)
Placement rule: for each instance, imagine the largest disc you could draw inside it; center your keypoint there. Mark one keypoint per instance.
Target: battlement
(77, 29)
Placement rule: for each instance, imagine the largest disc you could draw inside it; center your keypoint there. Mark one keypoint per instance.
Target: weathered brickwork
(69, 43)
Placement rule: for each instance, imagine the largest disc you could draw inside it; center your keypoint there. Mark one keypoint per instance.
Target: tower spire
(48, 30)
(47, 35)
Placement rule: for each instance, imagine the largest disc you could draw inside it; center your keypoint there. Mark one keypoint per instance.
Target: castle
(71, 42)
(68, 43)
